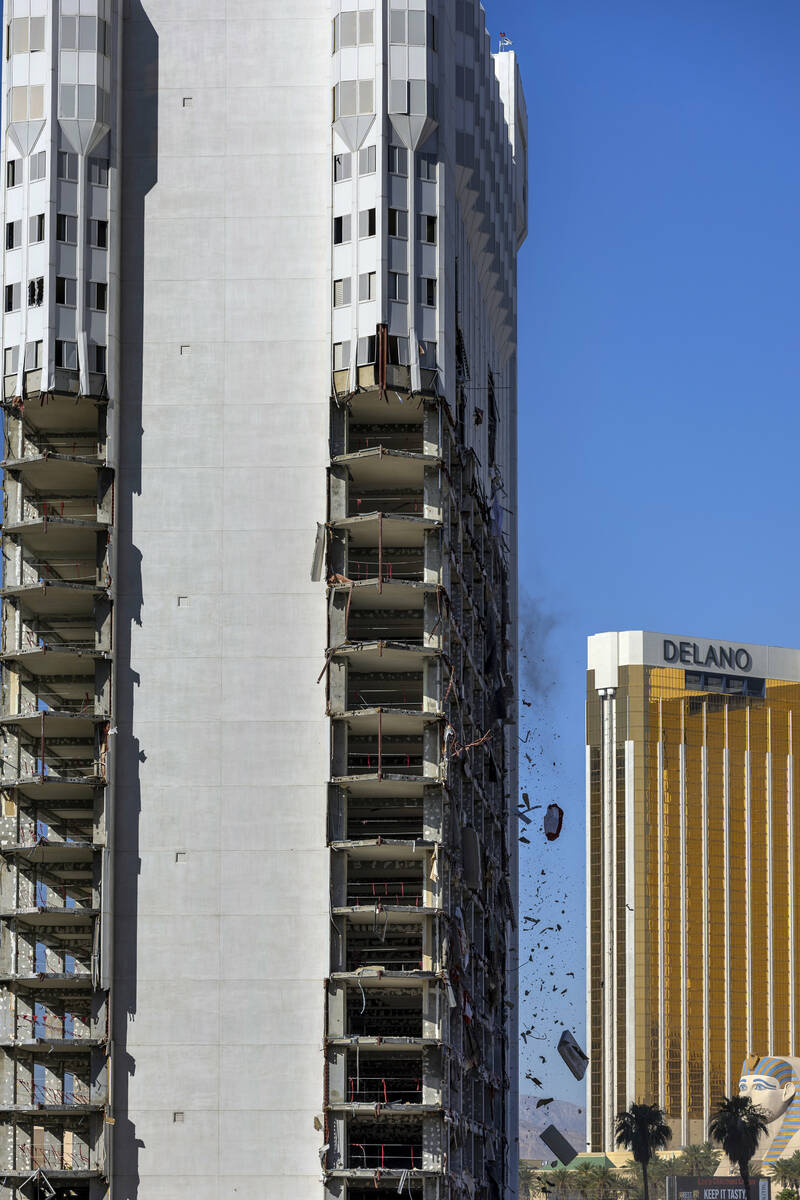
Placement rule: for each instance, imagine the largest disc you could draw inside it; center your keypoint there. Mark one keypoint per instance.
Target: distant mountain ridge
(569, 1120)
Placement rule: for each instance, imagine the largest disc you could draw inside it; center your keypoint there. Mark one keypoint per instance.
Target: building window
(398, 223)
(35, 292)
(344, 29)
(36, 228)
(33, 356)
(416, 27)
(426, 166)
(366, 160)
(397, 25)
(10, 360)
(98, 171)
(412, 27)
(69, 33)
(366, 96)
(341, 356)
(366, 223)
(25, 37)
(366, 350)
(398, 286)
(463, 22)
(19, 35)
(465, 83)
(66, 229)
(27, 102)
(84, 33)
(13, 234)
(365, 28)
(98, 234)
(398, 160)
(342, 168)
(97, 359)
(345, 99)
(367, 285)
(422, 98)
(67, 166)
(427, 355)
(342, 229)
(84, 101)
(67, 355)
(97, 296)
(427, 291)
(398, 96)
(341, 292)
(65, 291)
(38, 165)
(13, 296)
(427, 231)
(13, 172)
(398, 350)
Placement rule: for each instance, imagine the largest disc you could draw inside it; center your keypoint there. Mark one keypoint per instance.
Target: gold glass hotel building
(693, 829)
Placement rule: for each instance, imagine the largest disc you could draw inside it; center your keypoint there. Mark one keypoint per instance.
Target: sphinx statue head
(774, 1085)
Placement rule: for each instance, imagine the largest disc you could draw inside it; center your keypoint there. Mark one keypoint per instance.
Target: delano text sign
(707, 654)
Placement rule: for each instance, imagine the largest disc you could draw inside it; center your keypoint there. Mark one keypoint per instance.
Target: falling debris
(556, 1142)
(553, 820)
(572, 1054)
(543, 1102)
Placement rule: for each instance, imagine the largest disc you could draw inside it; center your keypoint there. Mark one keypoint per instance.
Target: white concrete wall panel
(222, 898)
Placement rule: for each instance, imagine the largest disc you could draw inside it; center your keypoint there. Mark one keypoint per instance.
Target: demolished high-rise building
(258, 845)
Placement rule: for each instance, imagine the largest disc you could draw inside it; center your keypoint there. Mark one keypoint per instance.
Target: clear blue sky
(659, 378)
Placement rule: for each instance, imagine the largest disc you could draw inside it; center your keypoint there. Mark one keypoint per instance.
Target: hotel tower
(257, 839)
(693, 863)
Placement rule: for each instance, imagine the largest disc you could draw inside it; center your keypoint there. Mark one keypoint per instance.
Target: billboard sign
(717, 1187)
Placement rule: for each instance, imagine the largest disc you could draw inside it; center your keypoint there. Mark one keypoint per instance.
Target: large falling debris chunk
(572, 1055)
(553, 820)
(556, 1142)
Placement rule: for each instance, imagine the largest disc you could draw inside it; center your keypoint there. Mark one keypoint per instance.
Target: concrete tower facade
(693, 853)
(259, 600)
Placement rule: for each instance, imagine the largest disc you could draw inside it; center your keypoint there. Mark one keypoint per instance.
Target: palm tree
(527, 1181)
(737, 1126)
(642, 1130)
(630, 1182)
(783, 1173)
(792, 1163)
(584, 1181)
(557, 1182)
(697, 1160)
(600, 1182)
(657, 1172)
(560, 1182)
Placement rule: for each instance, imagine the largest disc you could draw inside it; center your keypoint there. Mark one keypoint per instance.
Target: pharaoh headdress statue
(774, 1085)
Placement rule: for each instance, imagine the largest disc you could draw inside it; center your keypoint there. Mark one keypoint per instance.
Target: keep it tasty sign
(717, 1188)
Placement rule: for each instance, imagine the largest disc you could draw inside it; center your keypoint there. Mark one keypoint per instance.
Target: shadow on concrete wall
(138, 167)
